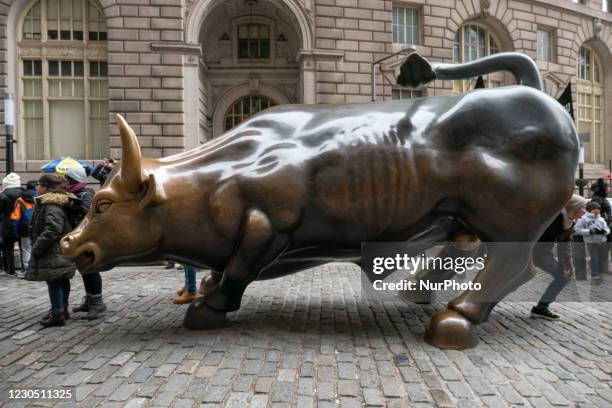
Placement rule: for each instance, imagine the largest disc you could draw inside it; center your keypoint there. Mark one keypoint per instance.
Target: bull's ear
(131, 159)
(150, 194)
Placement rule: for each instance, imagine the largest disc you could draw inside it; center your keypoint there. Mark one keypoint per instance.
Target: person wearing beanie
(92, 302)
(11, 191)
(558, 233)
(594, 230)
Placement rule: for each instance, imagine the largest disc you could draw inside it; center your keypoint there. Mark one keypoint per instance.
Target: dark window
(93, 69)
(65, 35)
(93, 36)
(53, 68)
(103, 69)
(66, 68)
(37, 67)
(28, 67)
(253, 41)
(78, 35)
(52, 34)
(78, 68)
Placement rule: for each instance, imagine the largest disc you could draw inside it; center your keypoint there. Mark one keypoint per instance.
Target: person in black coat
(92, 303)
(11, 191)
(558, 234)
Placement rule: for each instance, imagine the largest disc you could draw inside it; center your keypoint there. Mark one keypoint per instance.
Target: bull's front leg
(258, 245)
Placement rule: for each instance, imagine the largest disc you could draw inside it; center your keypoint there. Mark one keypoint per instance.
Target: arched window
(473, 41)
(244, 108)
(64, 85)
(590, 97)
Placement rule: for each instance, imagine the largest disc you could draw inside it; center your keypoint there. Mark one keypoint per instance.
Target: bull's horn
(131, 159)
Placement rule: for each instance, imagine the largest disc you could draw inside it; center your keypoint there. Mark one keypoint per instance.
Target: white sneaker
(21, 274)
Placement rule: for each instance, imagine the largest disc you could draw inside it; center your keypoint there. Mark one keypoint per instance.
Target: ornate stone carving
(597, 27)
(225, 46)
(63, 52)
(282, 47)
(484, 7)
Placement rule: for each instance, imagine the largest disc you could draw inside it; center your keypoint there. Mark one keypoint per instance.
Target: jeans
(25, 244)
(551, 266)
(599, 258)
(92, 283)
(59, 294)
(190, 278)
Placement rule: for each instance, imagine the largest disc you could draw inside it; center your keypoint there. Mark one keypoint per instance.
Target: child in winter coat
(594, 230)
(50, 222)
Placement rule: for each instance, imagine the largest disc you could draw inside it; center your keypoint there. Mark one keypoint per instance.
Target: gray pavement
(306, 340)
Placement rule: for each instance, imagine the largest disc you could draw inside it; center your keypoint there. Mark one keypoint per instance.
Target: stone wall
(146, 72)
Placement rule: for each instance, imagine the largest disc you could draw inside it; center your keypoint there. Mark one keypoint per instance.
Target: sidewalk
(305, 340)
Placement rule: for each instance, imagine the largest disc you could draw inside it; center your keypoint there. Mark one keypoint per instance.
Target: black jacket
(81, 205)
(7, 204)
(49, 224)
(554, 234)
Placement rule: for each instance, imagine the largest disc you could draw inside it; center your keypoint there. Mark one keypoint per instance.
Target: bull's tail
(417, 71)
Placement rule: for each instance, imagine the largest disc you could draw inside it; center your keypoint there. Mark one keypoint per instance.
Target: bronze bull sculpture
(297, 186)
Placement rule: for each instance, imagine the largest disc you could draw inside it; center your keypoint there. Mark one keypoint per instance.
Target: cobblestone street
(303, 340)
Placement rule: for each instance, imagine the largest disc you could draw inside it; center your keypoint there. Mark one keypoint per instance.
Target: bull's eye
(102, 206)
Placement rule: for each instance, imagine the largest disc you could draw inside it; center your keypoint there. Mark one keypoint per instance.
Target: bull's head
(122, 224)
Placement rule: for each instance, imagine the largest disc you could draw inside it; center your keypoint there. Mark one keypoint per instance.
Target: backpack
(21, 218)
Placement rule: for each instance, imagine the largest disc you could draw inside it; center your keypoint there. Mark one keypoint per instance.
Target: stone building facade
(183, 71)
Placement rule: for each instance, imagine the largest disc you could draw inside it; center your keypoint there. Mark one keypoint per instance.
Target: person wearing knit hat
(12, 180)
(558, 233)
(11, 191)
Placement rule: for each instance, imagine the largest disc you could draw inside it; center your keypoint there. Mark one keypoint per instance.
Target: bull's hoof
(449, 330)
(200, 316)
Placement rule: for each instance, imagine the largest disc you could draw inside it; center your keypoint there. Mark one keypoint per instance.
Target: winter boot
(96, 307)
(186, 297)
(84, 306)
(54, 319)
(180, 290)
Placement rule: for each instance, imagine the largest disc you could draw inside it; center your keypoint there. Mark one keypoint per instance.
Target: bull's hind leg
(507, 267)
(462, 245)
(258, 245)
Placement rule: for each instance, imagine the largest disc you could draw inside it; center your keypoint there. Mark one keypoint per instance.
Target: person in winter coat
(50, 222)
(103, 170)
(558, 233)
(600, 192)
(11, 190)
(20, 224)
(92, 302)
(594, 231)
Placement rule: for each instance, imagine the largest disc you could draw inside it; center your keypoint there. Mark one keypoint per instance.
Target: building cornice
(575, 8)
